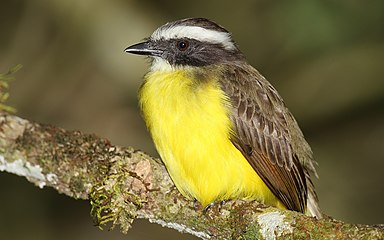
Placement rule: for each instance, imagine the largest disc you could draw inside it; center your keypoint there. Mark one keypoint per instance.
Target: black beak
(144, 48)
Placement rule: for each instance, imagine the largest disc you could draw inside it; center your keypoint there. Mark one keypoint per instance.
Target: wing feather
(268, 135)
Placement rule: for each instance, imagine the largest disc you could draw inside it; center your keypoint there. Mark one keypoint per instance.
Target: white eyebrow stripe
(194, 32)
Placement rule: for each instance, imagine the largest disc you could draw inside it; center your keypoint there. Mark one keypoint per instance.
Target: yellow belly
(189, 123)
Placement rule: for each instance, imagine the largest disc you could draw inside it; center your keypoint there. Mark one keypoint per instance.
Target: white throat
(160, 64)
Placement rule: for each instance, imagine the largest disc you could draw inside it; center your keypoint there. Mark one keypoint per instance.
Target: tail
(313, 208)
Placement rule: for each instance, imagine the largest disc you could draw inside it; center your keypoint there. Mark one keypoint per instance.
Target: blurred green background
(326, 58)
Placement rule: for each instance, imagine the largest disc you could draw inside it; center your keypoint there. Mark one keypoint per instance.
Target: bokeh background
(326, 58)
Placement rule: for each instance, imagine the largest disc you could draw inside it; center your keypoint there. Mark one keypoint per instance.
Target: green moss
(253, 232)
(4, 86)
(111, 200)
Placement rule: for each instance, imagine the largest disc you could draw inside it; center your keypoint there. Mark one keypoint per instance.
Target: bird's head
(192, 42)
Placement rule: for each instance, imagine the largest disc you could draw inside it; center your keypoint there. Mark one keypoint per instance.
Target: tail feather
(313, 208)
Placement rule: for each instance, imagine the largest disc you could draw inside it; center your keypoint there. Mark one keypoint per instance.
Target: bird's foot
(212, 204)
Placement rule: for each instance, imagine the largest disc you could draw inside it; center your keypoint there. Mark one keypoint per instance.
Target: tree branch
(123, 184)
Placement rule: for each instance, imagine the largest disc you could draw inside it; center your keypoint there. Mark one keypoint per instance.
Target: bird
(221, 129)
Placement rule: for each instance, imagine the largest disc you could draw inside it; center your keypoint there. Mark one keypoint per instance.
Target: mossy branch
(123, 184)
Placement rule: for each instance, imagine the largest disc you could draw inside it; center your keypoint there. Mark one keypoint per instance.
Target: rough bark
(123, 184)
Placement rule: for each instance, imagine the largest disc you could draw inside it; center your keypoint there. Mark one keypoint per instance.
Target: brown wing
(267, 134)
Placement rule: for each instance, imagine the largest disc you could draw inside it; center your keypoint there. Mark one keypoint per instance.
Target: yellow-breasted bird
(221, 129)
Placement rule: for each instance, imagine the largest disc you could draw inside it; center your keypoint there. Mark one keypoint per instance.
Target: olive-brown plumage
(268, 135)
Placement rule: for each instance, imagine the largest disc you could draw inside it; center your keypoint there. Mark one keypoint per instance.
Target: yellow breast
(190, 125)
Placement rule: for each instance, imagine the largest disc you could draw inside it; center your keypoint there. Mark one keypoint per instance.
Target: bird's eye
(182, 45)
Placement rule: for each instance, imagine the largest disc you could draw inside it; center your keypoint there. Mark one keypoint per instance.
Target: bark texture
(123, 184)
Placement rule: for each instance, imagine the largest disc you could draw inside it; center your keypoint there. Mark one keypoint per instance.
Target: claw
(197, 205)
(208, 207)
